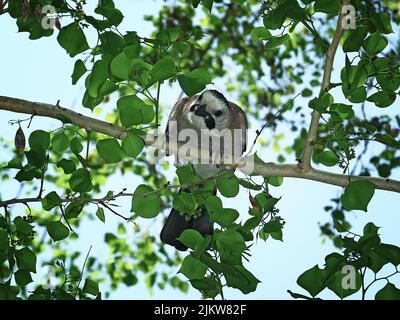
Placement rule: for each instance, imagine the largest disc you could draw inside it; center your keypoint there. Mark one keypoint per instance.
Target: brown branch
(259, 169)
(305, 162)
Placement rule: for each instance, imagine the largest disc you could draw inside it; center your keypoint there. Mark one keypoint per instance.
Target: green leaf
(72, 39)
(4, 243)
(357, 195)
(76, 146)
(249, 185)
(91, 287)
(327, 6)
(74, 209)
(57, 230)
(383, 99)
(193, 268)
(276, 41)
(321, 104)
(239, 277)
(357, 95)
(389, 252)
(60, 142)
(230, 240)
(274, 181)
(312, 280)
(191, 238)
(133, 111)
(112, 14)
(187, 175)
(260, 33)
(194, 81)
(228, 184)
(97, 78)
(51, 200)
(163, 69)
(355, 39)
(132, 145)
(81, 181)
(384, 22)
(344, 111)
(22, 226)
(100, 214)
(67, 165)
(145, 202)
(375, 44)
(388, 292)
(26, 259)
(79, 71)
(121, 66)
(272, 226)
(130, 279)
(224, 217)
(22, 277)
(36, 158)
(110, 150)
(375, 261)
(213, 205)
(267, 204)
(387, 140)
(185, 202)
(327, 158)
(336, 285)
(209, 287)
(239, 2)
(168, 35)
(275, 18)
(27, 173)
(39, 140)
(388, 82)
(15, 163)
(112, 44)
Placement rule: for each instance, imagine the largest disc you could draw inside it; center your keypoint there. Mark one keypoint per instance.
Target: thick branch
(325, 86)
(259, 169)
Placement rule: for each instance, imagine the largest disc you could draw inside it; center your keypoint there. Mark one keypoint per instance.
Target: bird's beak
(199, 110)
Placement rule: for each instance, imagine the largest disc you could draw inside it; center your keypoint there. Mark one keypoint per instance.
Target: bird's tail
(176, 224)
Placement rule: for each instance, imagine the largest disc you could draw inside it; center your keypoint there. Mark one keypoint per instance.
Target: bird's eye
(218, 113)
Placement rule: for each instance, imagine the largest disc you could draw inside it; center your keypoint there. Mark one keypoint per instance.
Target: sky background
(40, 71)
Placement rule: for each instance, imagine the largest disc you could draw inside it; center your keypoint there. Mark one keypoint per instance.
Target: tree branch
(305, 162)
(259, 169)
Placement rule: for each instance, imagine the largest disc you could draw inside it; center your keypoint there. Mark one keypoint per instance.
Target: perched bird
(210, 112)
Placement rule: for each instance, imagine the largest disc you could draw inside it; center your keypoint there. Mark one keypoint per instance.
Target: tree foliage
(274, 45)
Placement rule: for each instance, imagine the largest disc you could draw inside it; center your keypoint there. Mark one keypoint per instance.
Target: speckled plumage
(207, 111)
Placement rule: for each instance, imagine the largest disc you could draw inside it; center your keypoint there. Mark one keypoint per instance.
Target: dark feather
(176, 224)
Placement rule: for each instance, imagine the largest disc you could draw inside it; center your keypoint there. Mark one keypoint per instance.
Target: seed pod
(38, 12)
(254, 203)
(19, 141)
(25, 10)
(57, 23)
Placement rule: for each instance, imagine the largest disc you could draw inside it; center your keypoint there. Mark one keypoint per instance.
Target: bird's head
(210, 111)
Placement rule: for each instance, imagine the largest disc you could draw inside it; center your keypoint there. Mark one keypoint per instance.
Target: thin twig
(82, 270)
(66, 220)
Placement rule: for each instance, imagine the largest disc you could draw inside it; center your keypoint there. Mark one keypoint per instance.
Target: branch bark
(312, 134)
(260, 168)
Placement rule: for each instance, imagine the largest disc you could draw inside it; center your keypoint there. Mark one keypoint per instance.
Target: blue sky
(40, 71)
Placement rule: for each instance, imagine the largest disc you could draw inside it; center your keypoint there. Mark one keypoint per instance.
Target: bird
(209, 112)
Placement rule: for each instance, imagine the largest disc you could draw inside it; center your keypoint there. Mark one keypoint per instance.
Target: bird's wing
(178, 111)
(239, 121)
